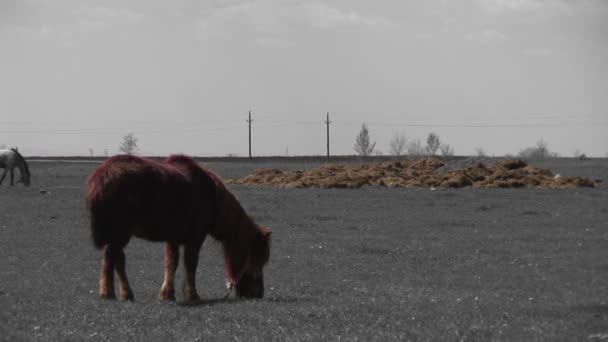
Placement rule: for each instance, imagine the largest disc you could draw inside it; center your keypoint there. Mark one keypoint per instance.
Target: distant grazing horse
(178, 202)
(9, 159)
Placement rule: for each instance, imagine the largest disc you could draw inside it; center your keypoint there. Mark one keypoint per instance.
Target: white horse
(9, 159)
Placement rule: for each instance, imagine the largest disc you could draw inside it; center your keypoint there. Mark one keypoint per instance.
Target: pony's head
(249, 281)
(25, 179)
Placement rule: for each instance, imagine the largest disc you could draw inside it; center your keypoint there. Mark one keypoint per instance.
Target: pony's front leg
(3, 175)
(125, 289)
(191, 251)
(167, 291)
(106, 280)
(12, 172)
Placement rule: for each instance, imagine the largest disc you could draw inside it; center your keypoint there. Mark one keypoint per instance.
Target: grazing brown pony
(177, 202)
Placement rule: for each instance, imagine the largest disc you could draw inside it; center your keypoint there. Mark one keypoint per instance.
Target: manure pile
(415, 173)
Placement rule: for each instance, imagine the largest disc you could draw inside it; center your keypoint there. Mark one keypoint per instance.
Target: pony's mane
(21, 159)
(232, 210)
(239, 233)
(233, 221)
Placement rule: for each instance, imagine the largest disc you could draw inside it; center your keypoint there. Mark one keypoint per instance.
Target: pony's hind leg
(125, 289)
(191, 251)
(167, 291)
(106, 280)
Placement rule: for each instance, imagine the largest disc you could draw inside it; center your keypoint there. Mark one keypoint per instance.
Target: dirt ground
(366, 264)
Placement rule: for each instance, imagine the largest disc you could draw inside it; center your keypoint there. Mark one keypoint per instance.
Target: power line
(508, 125)
(120, 130)
(205, 126)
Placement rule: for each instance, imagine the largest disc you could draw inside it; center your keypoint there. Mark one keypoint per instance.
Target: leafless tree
(414, 148)
(432, 144)
(397, 144)
(579, 154)
(446, 150)
(129, 144)
(91, 152)
(540, 151)
(363, 146)
(480, 151)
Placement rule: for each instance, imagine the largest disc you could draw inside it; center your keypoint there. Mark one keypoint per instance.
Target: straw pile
(415, 173)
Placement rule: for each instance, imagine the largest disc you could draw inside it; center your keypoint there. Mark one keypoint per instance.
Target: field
(347, 264)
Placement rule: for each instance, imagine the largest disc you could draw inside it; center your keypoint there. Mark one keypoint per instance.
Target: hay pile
(415, 173)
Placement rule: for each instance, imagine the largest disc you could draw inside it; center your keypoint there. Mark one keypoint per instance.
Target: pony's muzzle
(26, 183)
(250, 286)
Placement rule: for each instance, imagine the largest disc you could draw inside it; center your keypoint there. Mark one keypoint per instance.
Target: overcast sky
(182, 75)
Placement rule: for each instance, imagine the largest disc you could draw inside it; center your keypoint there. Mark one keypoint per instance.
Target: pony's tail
(98, 234)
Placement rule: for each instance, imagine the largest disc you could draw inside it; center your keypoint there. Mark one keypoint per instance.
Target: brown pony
(178, 202)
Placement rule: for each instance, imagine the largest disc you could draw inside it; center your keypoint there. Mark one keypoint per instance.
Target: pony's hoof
(192, 298)
(128, 297)
(166, 296)
(107, 296)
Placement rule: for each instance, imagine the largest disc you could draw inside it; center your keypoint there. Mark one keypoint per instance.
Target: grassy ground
(367, 264)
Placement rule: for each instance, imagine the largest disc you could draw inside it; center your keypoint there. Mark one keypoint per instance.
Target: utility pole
(249, 121)
(327, 122)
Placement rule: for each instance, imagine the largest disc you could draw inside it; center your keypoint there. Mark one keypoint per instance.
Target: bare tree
(432, 144)
(446, 150)
(129, 144)
(397, 144)
(579, 154)
(91, 152)
(3, 147)
(540, 151)
(363, 146)
(414, 148)
(480, 151)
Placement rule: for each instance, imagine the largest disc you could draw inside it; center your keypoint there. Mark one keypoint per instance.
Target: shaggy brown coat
(178, 202)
